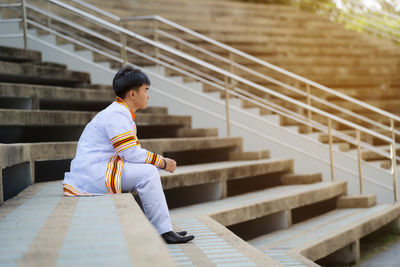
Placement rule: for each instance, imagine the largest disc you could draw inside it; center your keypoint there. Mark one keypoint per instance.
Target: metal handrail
(326, 103)
(227, 74)
(281, 84)
(266, 64)
(245, 55)
(282, 96)
(22, 19)
(97, 10)
(217, 82)
(10, 5)
(233, 50)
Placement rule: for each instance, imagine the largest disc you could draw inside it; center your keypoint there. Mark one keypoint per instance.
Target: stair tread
(59, 224)
(269, 195)
(34, 73)
(18, 55)
(66, 150)
(55, 117)
(219, 171)
(216, 243)
(322, 229)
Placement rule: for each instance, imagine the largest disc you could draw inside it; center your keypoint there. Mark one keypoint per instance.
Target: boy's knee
(152, 170)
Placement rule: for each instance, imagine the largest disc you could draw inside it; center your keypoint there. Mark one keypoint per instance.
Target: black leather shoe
(182, 233)
(174, 238)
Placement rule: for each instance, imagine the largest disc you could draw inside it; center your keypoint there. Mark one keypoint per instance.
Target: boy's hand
(171, 165)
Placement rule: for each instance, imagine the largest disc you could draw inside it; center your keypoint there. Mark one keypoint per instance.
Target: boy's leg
(145, 179)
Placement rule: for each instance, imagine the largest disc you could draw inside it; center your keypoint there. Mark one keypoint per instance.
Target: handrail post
(48, 9)
(394, 161)
(231, 67)
(331, 148)
(359, 160)
(228, 122)
(24, 24)
(123, 52)
(155, 32)
(309, 114)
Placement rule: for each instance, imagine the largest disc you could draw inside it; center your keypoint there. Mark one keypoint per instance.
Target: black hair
(128, 78)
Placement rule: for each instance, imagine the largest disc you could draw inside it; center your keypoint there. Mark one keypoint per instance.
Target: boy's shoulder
(113, 112)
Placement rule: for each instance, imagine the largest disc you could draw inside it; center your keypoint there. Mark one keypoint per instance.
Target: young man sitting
(109, 159)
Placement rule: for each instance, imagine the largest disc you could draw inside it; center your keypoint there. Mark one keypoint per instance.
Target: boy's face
(141, 97)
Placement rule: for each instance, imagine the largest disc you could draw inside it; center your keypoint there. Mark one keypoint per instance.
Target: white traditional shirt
(105, 144)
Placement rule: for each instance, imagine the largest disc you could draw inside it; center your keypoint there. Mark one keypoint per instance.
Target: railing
(358, 16)
(20, 4)
(226, 74)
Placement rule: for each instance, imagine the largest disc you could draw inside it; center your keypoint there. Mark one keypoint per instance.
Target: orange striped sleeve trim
(153, 158)
(124, 141)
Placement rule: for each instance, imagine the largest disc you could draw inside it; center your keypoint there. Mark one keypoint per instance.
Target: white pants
(145, 179)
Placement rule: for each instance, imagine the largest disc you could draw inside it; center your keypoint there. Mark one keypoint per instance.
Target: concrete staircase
(259, 127)
(301, 42)
(220, 192)
(310, 46)
(315, 48)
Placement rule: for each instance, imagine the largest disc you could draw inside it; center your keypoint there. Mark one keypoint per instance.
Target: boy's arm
(122, 138)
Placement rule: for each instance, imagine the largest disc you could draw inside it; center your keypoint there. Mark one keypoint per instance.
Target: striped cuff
(155, 159)
(124, 141)
(70, 191)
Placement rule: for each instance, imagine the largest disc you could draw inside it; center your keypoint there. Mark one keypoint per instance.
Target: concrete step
(224, 172)
(299, 62)
(198, 132)
(214, 245)
(311, 27)
(263, 46)
(66, 150)
(366, 138)
(53, 65)
(298, 178)
(285, 35)
(250, 155)
(43, 228)
(241, 208)
(36, 74)
(201, 5)
(329, 60)
(307, 50)
(369, 92)
(339, 126)
(221, 24)
(372, 156)
(204, 9)
(45, 92)
(12, 54)
(28, 96)
(50, 160)
(391, 105)
(45, 125)
(221, 246)
(358, 201)
(48, 118)
(337, 231)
